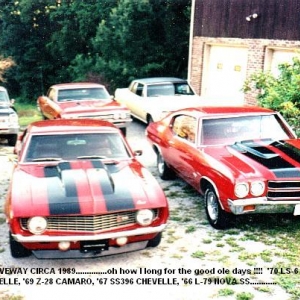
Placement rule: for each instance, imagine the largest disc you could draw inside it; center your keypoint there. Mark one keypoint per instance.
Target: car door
(49, 105)
(183, 152)
(136, 103)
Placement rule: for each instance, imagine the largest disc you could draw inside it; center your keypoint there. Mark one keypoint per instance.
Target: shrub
(280, 93)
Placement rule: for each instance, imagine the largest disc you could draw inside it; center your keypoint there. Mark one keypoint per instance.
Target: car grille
(96, 223)
(283, 190)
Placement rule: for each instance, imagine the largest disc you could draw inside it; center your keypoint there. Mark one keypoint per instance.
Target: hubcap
(212, 206)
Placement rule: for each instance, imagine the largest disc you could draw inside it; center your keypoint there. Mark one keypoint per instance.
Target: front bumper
(76, 238)
(9, 131)
(263, 205)
(48, 254)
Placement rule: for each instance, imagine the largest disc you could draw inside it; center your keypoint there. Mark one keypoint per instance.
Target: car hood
(253, 159)
(70, 107)
(84, 187)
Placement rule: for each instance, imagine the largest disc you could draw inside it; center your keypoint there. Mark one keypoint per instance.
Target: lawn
(28, 113)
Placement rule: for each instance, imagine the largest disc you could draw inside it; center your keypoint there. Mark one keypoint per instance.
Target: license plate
(297, 210)
(98, 246)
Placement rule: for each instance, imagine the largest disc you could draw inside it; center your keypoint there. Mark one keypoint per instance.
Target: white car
(150, 99)
(9, 121)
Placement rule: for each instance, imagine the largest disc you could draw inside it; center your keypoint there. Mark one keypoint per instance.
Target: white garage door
(224, 75)
(277, 57)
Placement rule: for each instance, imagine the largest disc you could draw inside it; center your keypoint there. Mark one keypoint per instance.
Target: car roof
(76, 85)
(227, 110)
(60, 126)
(3, 89)
(160, 79)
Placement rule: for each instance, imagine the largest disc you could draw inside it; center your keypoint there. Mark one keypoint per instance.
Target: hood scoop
(279, 157)
(256, 150)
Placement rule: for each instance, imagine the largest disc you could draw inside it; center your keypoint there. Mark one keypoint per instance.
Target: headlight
(241, 190)
(257, 188)
(13, 118)
(37, 225)
(144, 217)
(123, 115)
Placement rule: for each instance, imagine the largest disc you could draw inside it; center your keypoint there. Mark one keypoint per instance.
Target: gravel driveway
(193, 261)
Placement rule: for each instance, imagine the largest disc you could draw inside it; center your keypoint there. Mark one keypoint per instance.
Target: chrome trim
(75, 238)
(77, 254)
(262, 205)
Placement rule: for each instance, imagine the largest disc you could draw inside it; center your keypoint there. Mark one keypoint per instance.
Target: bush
(280, 93)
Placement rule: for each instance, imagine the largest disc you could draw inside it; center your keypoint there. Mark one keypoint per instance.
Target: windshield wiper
(47, 159)
(92, 157)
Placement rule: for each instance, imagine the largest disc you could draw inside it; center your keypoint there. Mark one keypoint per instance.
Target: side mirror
(12, 102)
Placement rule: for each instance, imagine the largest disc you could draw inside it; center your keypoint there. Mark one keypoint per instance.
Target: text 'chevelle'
(242, 159)
(78, 191)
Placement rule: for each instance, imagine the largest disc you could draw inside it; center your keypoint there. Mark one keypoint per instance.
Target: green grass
(27, 113)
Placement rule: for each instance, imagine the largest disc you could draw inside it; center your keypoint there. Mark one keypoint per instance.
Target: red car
(83, 100)
(78, 190)
(242, 159)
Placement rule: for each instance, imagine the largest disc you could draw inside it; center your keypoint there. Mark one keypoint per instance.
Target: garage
(277, 56)
(225, 72)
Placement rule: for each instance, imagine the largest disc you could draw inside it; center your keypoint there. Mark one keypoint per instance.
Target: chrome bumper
(76, 238)
(48, 254)
(9, 131)
(263, 205)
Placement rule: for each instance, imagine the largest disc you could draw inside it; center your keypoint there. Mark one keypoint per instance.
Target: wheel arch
(206, 182)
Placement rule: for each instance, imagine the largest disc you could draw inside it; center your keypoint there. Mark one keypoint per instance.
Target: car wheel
(12, 139)
(163, 170)
(217, 217)
(155, 241)
(17, 250)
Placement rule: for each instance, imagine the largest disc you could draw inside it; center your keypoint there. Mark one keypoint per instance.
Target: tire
(17, 250)
(164, 171)
(155, 241)
(12, 139)
(217, 217)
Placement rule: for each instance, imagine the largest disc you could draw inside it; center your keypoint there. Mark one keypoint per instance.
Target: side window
(52, 94)
(185, 127)
(139, 89)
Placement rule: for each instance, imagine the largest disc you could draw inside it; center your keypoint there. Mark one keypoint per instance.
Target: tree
(138, 39)
(107, 41)
(5, 64)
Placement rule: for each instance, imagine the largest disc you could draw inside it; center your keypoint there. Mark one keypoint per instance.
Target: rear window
(84, 94)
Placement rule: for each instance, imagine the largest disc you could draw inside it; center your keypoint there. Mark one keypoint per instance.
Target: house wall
(259, 51)
(274, 28)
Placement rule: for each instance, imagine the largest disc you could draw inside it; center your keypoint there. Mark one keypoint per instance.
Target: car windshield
(84, 94)
(169, 89)
(230, 130)
(75, 146)
(4, 101)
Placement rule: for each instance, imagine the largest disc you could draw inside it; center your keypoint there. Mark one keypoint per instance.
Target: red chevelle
(83, 100)
(78, 190)
(242, 159)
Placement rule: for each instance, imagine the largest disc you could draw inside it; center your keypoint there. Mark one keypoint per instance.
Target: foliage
(107, 41)
(5, 64)
(280, 93)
